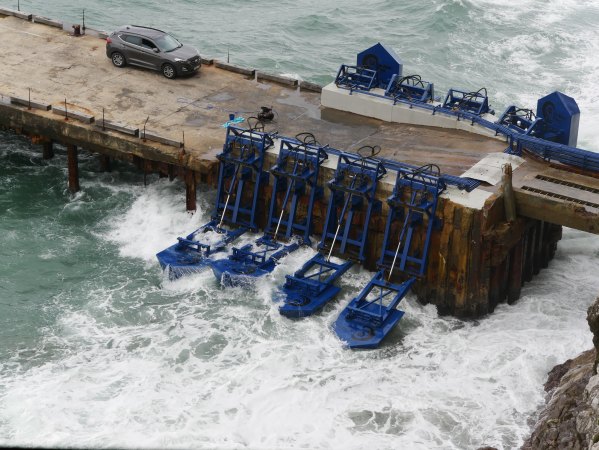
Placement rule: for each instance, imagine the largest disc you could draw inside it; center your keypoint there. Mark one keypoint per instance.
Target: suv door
(140, 51)
(151, 54)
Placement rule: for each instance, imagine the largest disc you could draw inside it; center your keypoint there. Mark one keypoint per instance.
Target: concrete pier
(479, 258)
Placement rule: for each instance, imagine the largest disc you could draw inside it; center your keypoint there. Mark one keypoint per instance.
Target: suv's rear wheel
(168, 70)
(118, 59)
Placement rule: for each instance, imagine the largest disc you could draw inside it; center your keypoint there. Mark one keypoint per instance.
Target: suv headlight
(179, 60)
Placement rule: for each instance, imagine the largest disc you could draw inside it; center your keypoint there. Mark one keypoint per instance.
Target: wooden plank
(444, 248)
(529, 255)
(463, 255)
(476, 292)
(495, 288)
(538, 249)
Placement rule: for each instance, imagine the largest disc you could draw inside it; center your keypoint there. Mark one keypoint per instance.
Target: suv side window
(135, 40)
(148, 44)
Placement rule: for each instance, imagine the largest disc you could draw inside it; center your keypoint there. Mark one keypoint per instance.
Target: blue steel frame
(411, 88)
(311, 287)
(517, 119)
(296, 171)
(355, 77)
(241, 162)
(547, 150)
(355, 181)
(414, 204)
(471, 102)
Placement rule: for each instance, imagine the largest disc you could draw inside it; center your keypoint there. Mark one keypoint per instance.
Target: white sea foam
(152, 224)
(192, 364)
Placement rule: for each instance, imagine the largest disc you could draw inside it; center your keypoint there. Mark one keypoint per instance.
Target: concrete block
(307, 86)
(157, 138)
(25, 102)
(207, 61)
(46, 21)
(261, 76)
(18, 14)
(82, 117)
(362, 104)
(234, 68)
(115, 126)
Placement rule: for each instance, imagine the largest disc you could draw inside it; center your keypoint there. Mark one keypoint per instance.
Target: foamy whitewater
(100, 349)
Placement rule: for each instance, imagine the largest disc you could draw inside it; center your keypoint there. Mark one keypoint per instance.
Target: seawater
(99, 349)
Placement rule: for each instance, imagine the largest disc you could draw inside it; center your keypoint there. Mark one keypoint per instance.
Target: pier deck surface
(60, 68)
(57, 66)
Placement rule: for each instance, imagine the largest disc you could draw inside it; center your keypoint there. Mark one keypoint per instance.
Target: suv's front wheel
(168, 70)
(118, 59)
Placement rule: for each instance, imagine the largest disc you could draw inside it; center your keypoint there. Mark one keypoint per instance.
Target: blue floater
(371, 316)
(190, 254)
(250, 261)
(310, 288)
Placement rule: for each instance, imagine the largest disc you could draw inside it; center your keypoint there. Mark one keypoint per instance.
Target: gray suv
(153, 49)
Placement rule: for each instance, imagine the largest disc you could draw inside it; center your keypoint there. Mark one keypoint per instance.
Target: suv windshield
(167, 43)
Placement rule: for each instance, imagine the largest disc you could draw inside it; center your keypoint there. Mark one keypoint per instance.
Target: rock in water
(570, 420)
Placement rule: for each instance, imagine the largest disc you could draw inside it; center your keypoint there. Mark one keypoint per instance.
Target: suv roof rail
(146, 28)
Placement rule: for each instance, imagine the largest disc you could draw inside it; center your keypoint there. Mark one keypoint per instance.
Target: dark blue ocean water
(98, 349)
